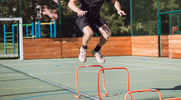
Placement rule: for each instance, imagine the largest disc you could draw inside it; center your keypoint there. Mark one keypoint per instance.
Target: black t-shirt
(92, 6)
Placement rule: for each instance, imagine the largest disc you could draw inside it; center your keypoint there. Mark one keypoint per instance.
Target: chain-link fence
(169, 14)
(170, 23)
(144, 16)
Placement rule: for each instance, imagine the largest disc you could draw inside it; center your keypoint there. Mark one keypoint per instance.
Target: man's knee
(107, 35)
(87, 30)
(106, 32)
(89, 33)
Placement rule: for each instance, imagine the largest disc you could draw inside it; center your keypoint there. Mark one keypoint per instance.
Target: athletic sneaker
(98, 56)
(82, 55)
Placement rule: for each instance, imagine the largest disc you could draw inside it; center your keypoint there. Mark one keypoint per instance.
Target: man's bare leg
(88, 34)
(106, 33)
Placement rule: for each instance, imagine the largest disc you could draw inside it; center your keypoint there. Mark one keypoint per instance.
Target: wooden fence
(116, 46)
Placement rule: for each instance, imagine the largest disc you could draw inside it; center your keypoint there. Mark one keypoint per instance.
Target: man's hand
(81, 13)
(121, 13)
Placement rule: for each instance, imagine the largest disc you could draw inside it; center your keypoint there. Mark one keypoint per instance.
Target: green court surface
(55, 79)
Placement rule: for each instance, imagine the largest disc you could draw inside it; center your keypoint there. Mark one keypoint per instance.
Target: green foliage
(68, 17)
(68, 21)
(115, 22)
(169, 5)
(144, 16)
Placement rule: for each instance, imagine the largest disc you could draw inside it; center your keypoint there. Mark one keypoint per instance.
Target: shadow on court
(174, 88)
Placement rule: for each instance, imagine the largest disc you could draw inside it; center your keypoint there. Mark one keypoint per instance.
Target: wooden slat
(145, 54)
(144, 38)
(175, 50)
(164, 37)
(145, 46)
(173, 45)
(128, 38)
(175, 55)
(165, 54)
(174, 42)
(174, 37)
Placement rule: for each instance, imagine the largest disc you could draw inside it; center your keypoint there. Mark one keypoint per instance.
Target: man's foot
(98, 56)
(82, 55)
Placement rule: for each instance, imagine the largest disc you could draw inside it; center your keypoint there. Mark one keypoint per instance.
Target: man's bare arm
(72, 5)
(118, 7)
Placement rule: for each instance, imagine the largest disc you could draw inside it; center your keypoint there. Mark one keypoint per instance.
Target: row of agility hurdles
(129, 92)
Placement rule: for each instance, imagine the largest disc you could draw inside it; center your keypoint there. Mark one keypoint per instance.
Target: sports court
(55, 79)
(142, 54)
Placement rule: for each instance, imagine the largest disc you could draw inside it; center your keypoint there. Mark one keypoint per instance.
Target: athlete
(89, 21)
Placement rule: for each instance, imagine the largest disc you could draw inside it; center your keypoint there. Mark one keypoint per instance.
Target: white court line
(143, 65)
(146, 61)
(164, 62)
(63, 87)
(24, 63)
(54, 73)
(44, 63)
(156, 62)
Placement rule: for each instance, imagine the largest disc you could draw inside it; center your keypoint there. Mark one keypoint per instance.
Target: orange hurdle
(110, 69)
(77, 80)
(152, 90)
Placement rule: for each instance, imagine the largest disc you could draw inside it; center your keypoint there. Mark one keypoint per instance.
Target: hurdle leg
(77, 80)
(110, 69)
(152, 90)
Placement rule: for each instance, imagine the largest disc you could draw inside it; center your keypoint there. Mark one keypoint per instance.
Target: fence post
(4, 26)
(13, 38)
(170, 26)
(32, 26)
(158, 29)
(35, 30)
(131, 18)
(51, 29)
(39, 29)
(55, 29)
(17, 37)
(27, 31)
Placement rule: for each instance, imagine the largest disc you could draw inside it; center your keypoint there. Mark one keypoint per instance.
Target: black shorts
(94, 23)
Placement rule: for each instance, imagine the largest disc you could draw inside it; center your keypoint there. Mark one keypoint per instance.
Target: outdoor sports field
(55, 79)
